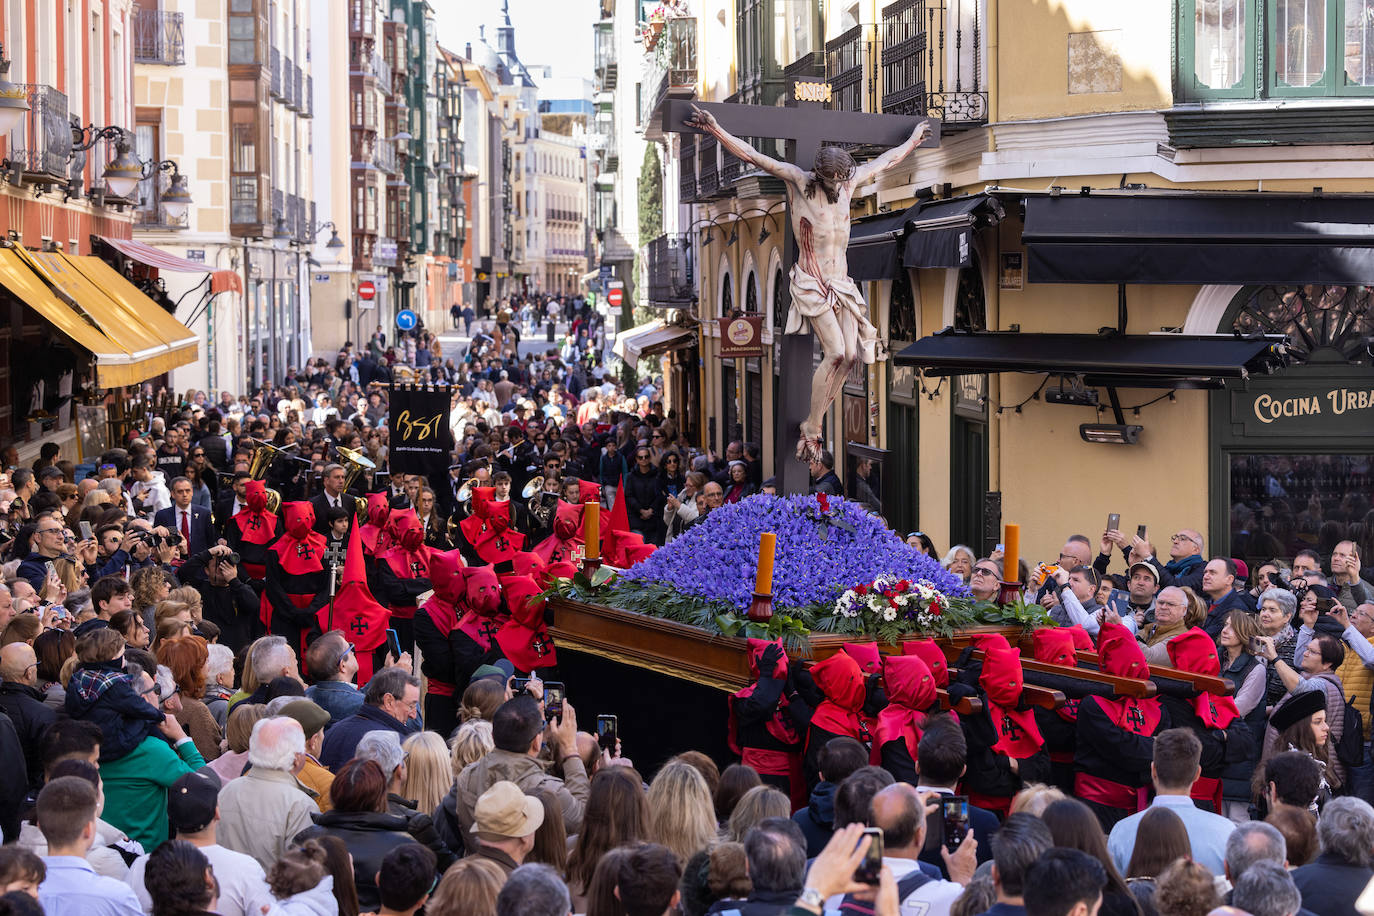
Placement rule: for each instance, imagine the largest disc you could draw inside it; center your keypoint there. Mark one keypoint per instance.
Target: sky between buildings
(553, 32)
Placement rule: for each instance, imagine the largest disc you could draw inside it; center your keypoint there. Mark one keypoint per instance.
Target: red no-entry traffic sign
(366, 290)
(615, 295)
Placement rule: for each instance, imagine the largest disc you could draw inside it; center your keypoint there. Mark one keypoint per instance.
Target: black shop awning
(1190, 238)
(1121, 360)
(942, 234)
(875, 244)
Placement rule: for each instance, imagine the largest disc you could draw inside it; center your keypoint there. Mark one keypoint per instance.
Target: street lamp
(14, 98)
(123, 173)
(335, 244)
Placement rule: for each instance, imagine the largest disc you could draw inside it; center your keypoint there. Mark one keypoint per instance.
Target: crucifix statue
(825, 300)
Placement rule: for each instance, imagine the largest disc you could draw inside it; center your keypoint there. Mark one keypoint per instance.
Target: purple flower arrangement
(823, 548)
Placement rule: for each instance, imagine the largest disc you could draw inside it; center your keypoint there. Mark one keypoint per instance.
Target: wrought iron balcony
(275, 68)
(708, 175)
(607, 65)
(671, 284)
(159, 37)
(687, 170)
(41, 143)
(931, 69)
(850, 70)
(671, 72)
(308, 103)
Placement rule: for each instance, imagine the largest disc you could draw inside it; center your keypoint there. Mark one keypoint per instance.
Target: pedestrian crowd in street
(249, 678)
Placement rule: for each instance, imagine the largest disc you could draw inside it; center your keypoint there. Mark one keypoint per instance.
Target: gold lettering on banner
(1340, 401)
(811, 92)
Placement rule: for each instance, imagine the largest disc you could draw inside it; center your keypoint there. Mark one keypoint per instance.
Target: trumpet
(264, 453)
(536, 485)
(355, 462)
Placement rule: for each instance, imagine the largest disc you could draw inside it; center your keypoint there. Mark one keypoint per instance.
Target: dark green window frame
(1258, 51)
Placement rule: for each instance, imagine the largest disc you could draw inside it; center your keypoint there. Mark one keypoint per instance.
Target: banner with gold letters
(421, 439)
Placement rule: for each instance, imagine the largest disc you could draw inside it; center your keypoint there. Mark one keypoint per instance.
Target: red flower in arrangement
(935, 608)
(903, 586)
(892, 602)
(824, 501)
(862, 589)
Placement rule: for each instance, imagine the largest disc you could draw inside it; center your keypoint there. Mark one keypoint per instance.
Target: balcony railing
(671, 71)
(159, 37)
(41, 142)
(607, 65)
(308, 103)
(849, 69)
(275, 67)
(708, 174)
(670, 271)
(687, 170)
(931, 68)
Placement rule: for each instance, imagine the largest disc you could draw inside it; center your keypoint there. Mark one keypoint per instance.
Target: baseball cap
(505, 811)
(1149, 567)
(307, 712)
(501, 670)
(192, 800)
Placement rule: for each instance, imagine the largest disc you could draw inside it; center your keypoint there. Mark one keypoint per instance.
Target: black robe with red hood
(911, 695)
(297, 579)
(1116, 735)
(480, 615)
(841, 684)
(250, 532)
(1003, 730)
(403, 574)
(487, 535)
(767, 726)
(435, 623)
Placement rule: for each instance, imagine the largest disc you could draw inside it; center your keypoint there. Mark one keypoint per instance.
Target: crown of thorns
(834, 162)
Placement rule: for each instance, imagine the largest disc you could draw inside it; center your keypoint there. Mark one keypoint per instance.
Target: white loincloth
(844, 301)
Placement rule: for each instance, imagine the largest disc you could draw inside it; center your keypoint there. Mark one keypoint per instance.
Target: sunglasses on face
(984, 571)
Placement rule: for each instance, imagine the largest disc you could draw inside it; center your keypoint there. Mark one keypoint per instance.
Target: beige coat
(261, 811)
(526, 772)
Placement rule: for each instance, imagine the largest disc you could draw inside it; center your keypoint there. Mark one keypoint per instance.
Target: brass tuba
(355, 462)
(465, 491)
(264, 453)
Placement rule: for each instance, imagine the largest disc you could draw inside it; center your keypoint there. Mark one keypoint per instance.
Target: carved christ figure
(824, 298)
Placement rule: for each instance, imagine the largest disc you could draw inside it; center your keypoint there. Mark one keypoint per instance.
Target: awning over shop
(650, 340)
(1257, 238)
(1126, 361)
(942, 233)
(115, 366)
(151, 341)
(875, 244)
(220, 280)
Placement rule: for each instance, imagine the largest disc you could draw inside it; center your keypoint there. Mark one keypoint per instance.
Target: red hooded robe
(252, 529)
(761, 730)
(297, 578)
(523, 638)
(403, 571)
(360, 616)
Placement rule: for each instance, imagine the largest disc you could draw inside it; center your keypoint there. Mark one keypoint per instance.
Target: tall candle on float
(591, 530)
(1011, 553)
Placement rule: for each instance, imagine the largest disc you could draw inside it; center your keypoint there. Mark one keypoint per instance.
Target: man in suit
(191, 522)
(333, 497)
(231, 500)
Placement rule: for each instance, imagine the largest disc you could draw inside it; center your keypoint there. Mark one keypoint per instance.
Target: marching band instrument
(355, 462)
(532, 488)
(264, 453)
(465, 491)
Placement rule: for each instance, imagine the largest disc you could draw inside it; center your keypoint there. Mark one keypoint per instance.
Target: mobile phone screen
(519, 685)
(1140, 531)
(607, 732)
(955, 811)
(870, 869)
(553, 698)
(393, 644)
(85, 531)
(1114, 521)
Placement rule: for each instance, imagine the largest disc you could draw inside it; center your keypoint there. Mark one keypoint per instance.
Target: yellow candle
(591, 529)
(763, 582)
(1011, 553)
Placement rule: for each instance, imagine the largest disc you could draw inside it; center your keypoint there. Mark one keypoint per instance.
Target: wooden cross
(805, 126)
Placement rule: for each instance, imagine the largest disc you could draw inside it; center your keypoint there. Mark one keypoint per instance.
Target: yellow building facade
(1100, 108)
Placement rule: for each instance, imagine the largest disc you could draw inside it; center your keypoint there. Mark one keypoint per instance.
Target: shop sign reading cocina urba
(1325, 410)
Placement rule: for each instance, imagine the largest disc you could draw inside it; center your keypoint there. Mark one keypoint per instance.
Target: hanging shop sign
(741, 337)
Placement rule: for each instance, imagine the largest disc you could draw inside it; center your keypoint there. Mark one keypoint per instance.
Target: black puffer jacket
(369, 836)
